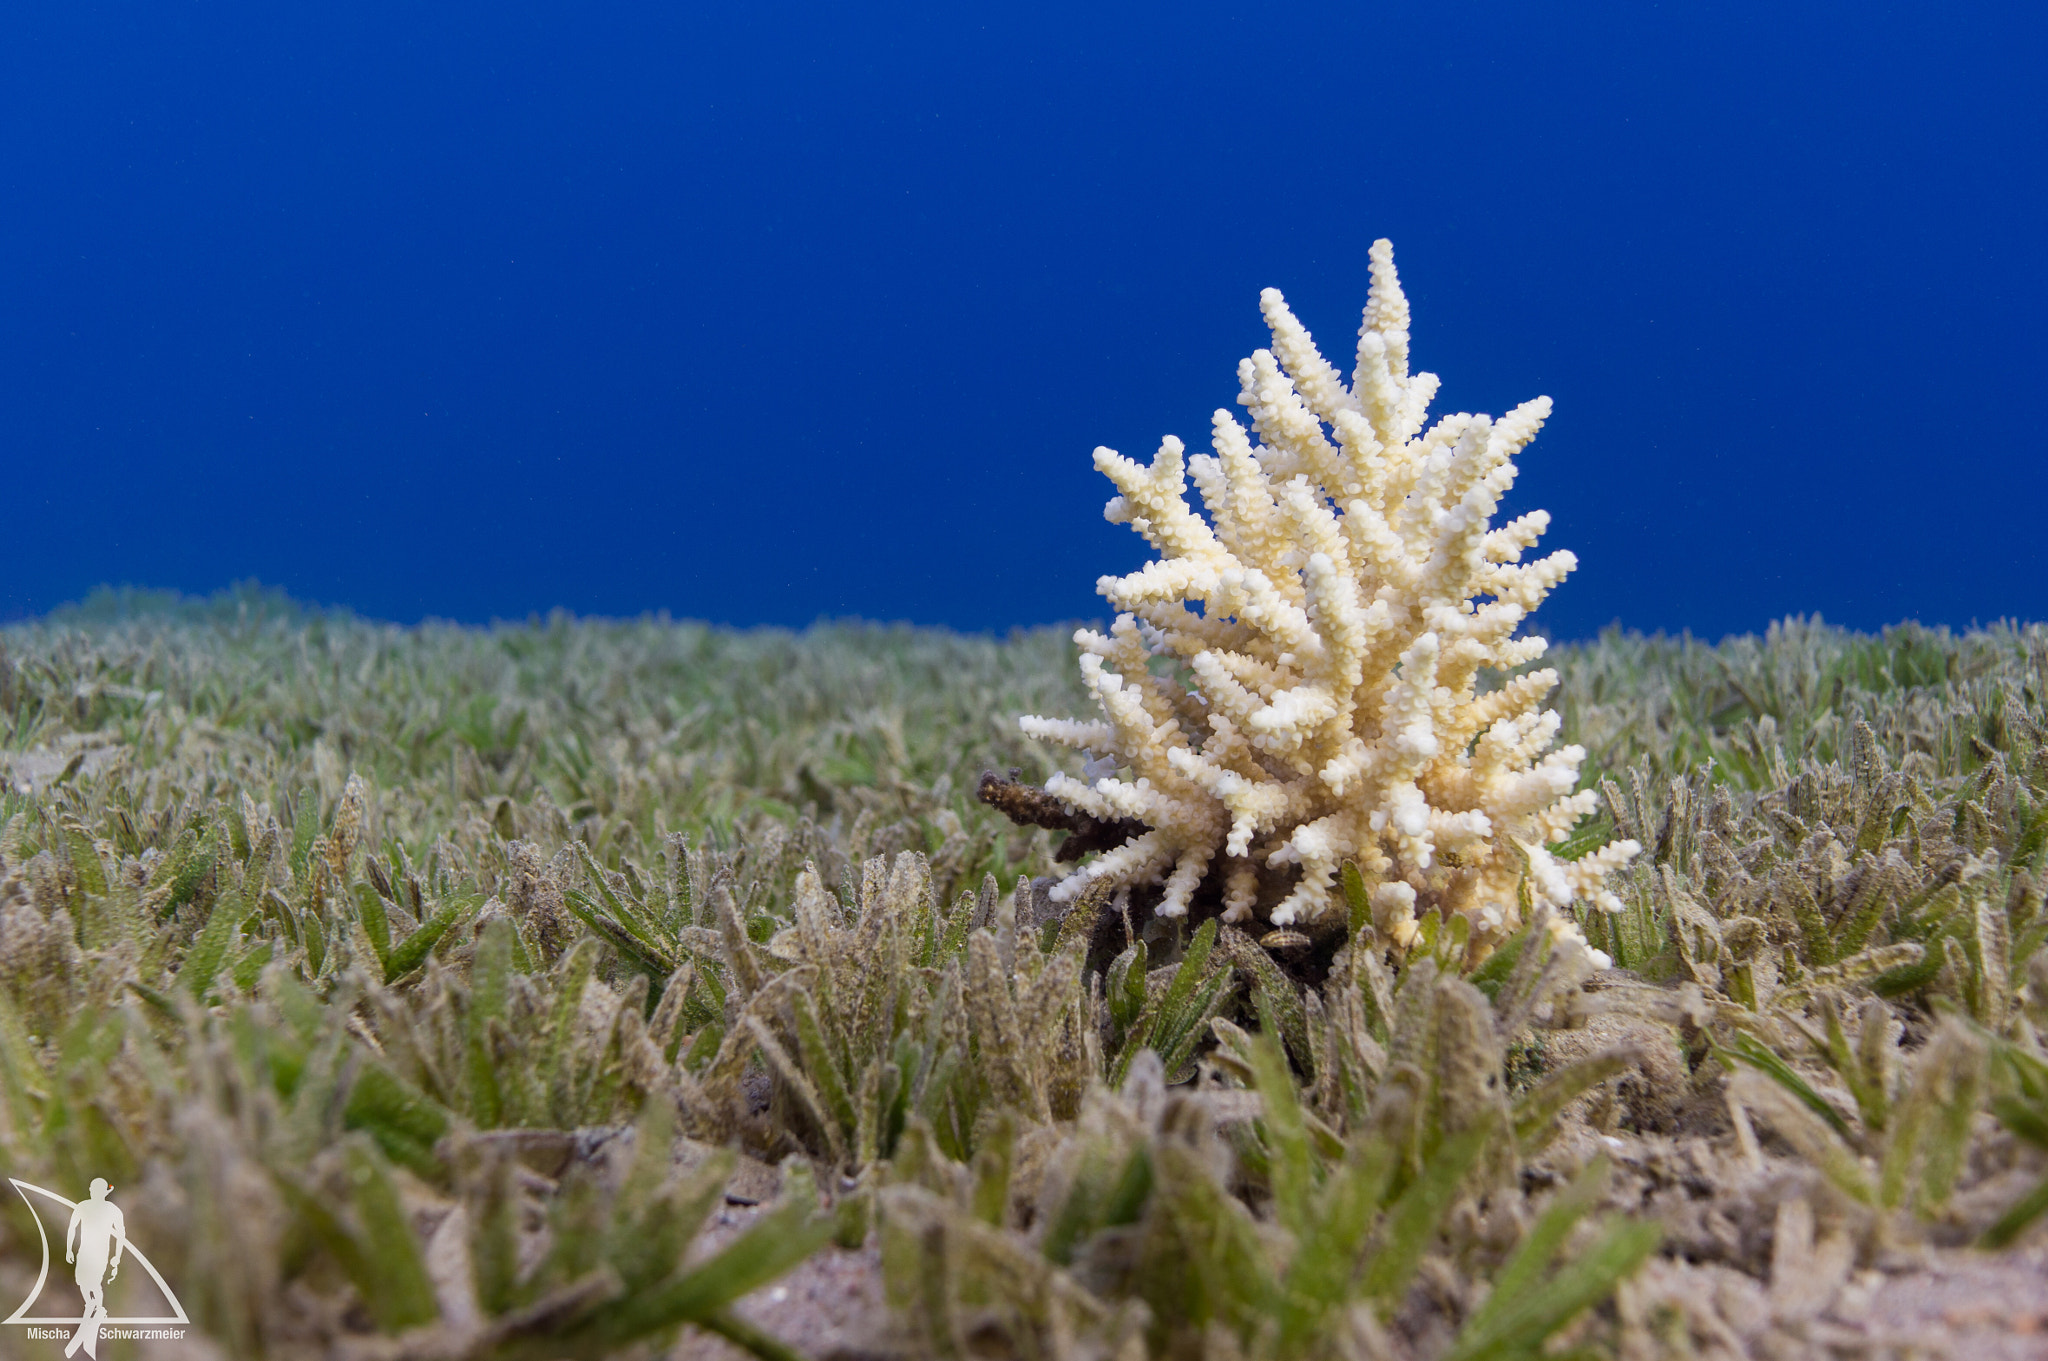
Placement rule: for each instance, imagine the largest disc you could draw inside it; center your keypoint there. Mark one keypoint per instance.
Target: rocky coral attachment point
(1296, 680)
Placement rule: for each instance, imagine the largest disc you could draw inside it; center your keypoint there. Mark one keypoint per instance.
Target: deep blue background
(764, 312)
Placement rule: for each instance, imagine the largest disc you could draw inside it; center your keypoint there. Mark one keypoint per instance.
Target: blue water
(758, 313)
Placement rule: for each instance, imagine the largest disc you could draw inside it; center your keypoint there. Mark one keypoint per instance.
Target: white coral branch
(1335, 609)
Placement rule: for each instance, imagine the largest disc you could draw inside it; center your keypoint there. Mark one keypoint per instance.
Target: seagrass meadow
(581, 988)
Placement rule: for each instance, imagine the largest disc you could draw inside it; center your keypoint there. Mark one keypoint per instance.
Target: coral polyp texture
(1295, 680)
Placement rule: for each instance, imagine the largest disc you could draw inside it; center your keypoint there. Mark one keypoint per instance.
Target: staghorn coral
(1328, 624)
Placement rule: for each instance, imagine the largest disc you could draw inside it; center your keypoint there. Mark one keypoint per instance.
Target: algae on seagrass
(378, 1058)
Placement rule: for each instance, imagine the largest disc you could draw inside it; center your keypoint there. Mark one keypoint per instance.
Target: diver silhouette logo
(95, 1237)
(96, 1227)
